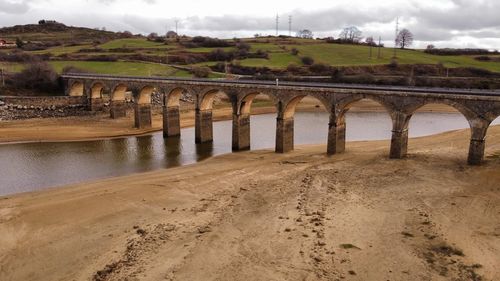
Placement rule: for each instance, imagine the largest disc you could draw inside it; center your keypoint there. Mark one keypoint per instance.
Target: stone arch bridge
(479, 107)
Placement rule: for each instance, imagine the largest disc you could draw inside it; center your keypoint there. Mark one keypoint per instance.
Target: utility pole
(277, 24)
(290, 26)
(396, 38)
(379, 46)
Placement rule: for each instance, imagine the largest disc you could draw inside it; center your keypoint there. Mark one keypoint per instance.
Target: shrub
(243, 46)
(394, 63)
(307, 60)
(38, 76)
(319, 68)
(201, 71)
(220, 55)
(293, 68)
(295, 51)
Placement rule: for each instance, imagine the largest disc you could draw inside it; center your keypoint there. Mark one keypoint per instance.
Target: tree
(171, 34)
(19, 43)
(351, 34)
(404, 38)
(307, 60)
(305, 33)
(431, 47)
(201, 71)
(152, 36)
(370, 41)
(39, 76)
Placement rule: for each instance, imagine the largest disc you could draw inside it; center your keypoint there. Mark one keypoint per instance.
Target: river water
(36, 166)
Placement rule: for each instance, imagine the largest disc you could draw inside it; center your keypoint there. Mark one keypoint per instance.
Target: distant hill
(55, 33)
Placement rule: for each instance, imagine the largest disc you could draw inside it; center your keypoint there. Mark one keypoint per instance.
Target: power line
(277, 24)
(396, 38)
(379, 46)
(290, 26)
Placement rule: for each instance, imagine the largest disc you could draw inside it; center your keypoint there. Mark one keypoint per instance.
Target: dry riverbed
(265, 216)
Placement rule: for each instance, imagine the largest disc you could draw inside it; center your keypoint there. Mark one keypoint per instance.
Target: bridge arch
(287, 108)
(245, 103)
(76, 89)
(144, 95)
(207, 97)
(345, 104)
(96, 90)
(468, 113)
(173, 97)
(204, 117)
(338, 128)
(118, 92)
(285, 137)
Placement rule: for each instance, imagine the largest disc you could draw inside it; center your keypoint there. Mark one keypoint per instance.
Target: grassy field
(60, 50)
(133, 43)
(117, 68)
(345, 55)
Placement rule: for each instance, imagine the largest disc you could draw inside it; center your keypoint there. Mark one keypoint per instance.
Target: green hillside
(107, 52)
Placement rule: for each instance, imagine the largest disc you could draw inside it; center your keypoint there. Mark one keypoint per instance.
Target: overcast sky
(444, 23)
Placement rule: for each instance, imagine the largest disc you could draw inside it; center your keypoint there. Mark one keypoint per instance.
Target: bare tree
(351, 34)
(306, 34)
(404, 38)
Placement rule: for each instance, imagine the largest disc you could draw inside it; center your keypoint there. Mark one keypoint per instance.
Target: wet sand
(265, 216)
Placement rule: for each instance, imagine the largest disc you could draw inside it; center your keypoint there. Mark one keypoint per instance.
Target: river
(37, 166)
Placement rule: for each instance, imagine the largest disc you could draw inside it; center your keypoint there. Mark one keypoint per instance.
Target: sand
(265, 216)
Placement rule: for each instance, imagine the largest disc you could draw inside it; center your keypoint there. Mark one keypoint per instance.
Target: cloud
(446, 23)
(10, 7)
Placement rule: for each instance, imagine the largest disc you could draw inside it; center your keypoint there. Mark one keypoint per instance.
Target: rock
(204, 229)
(19, 107)
(61, 111)
(2, 103)
(169, 227)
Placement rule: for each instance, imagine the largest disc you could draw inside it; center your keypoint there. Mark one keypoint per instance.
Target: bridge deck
(286, 85)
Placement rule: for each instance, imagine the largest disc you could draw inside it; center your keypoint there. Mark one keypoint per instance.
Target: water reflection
(172, 151)
(28, 167)
(204, 151)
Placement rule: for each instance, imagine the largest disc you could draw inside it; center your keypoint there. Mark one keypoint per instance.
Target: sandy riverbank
(264, 216)
(101, 126)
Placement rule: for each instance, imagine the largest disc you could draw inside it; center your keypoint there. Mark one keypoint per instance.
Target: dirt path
(266, 216)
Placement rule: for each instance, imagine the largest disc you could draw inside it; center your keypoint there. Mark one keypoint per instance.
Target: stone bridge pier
(117, 109)
(94, 94)
(241, 132)
(203, 125)
(171, 121)
(399, 139)
(117, 106)
(142, 108)
(477, 141)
